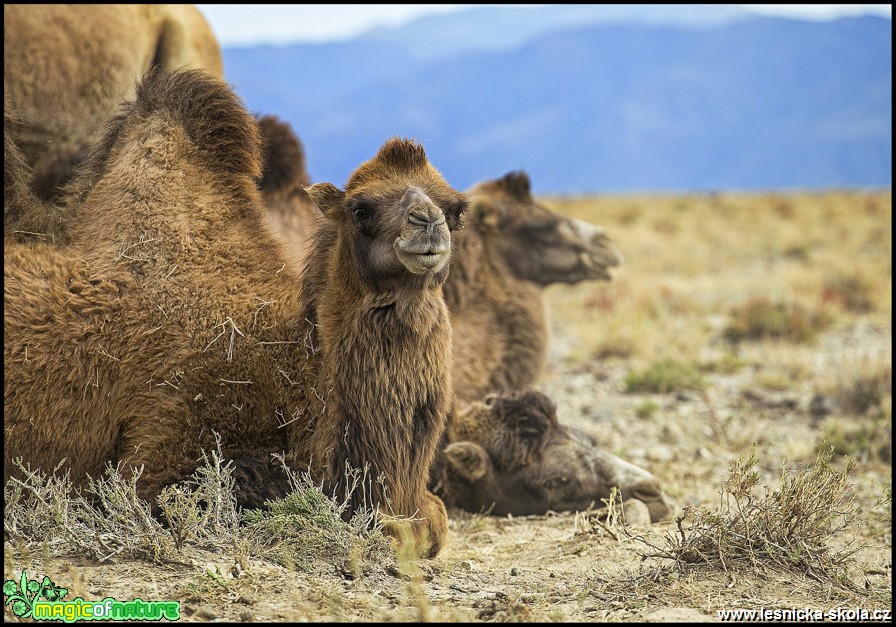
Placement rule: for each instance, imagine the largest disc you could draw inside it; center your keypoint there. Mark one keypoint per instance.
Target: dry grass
(787, 527)
(692, 262)
(666, 375)
(109, 522)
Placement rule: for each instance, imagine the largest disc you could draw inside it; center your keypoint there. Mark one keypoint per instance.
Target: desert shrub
(106, 521)
(761, 318)
(787, 527)
(305, 530)
(854, 293)
(666, 375)
(866, 388)
(203, 508)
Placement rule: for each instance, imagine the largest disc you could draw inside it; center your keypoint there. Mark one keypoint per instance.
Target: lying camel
(513, 246)
(66, 67)
(508, 454)
(172, 315)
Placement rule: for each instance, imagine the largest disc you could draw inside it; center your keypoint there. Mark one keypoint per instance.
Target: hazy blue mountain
(601, 107)
(500, 28)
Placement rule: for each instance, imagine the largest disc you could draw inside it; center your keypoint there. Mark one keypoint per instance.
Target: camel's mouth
(424, 248)
(600, 256)
(419, 259)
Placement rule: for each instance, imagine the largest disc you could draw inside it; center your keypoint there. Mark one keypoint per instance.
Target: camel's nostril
(419, 218)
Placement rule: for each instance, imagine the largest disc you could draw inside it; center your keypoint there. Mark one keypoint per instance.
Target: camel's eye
(361, 213)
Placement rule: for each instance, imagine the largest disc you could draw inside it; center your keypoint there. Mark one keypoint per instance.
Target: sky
(249, 24)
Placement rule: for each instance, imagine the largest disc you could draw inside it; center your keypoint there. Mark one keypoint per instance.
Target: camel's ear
(325, 195)
(467, 459)
(517, 184)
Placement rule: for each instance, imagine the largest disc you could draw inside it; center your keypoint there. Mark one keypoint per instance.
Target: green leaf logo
(25, 592)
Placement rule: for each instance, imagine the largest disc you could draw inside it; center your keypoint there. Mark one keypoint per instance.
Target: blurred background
(586, 98)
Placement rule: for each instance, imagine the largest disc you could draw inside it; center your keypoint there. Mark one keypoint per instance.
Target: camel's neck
(385, 377)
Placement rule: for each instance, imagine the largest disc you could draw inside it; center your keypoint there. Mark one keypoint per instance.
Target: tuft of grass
(727, 363)
(776, 380)
(646, 409)
(787, 528)
(760, 318)
(306, 529)
(666, 375)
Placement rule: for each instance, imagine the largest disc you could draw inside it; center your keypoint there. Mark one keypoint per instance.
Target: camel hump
(186, 39)
(211, 114)
(284, 163)
(517, 184)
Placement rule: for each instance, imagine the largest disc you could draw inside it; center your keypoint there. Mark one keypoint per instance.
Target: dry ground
(739, 323)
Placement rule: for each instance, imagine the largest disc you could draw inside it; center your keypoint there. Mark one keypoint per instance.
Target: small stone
(246, 617)
(466, 565)
(206, 613)
(514, 571)
(636, 513)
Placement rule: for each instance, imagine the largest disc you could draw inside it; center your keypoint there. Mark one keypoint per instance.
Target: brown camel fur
(66, 67)
(509, 455)
(512, 247)
(173, 316)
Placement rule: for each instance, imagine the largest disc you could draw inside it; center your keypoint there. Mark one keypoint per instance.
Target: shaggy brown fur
(509, 455)
(172, 316)
(66, 67)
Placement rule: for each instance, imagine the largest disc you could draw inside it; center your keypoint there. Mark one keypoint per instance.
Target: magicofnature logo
(43, 600)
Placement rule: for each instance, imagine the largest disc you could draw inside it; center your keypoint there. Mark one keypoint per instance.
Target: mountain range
(595, 98)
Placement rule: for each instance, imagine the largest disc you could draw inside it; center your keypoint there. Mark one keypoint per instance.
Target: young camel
(173, 315)
(508, 454)
(66, 67)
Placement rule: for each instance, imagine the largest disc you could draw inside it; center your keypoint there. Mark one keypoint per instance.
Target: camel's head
(538, 244)
(509, 455)
(399, 211)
